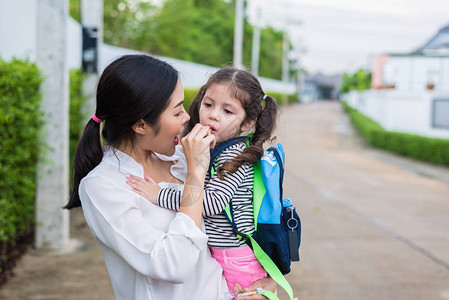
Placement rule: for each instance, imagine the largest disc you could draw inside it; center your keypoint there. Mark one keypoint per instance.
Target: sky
(335, 36)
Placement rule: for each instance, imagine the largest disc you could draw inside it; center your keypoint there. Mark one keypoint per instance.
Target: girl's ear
(141, 127)
(247, 125)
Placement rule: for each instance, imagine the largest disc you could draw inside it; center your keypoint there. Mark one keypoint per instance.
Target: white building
(410, 92)
(426, 68)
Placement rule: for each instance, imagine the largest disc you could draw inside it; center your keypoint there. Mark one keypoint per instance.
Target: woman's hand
(146, 188)
(265, 283)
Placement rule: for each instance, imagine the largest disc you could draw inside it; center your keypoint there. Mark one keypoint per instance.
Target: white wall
(18, 29)
(412, 73)
(409, 112)
(193, 75)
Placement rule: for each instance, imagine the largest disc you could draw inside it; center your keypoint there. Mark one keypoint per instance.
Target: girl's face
(171, 124)
(223, 113)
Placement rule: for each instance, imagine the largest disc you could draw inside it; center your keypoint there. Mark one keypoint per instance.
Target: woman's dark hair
(131, 88)
(245, 87)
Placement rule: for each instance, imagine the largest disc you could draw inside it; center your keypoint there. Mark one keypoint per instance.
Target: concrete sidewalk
(78, 272)
(374, 224)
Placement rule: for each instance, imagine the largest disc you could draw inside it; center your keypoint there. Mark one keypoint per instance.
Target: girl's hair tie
(264, 97)
(98, 120)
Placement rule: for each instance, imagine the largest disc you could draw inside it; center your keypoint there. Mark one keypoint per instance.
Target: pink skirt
(240, 265)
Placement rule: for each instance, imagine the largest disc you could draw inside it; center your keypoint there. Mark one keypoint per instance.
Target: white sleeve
(116, 220)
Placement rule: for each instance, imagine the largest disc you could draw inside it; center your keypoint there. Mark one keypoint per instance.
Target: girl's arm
(217, 193)
(196, 146)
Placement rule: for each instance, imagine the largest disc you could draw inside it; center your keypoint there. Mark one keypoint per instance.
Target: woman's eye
(180, 113)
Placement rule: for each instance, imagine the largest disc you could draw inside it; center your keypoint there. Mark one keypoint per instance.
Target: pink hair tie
(98, 120)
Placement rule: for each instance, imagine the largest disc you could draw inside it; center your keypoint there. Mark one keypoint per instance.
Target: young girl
(230, 103)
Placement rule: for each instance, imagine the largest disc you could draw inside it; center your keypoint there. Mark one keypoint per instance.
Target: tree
(360, 80)
(200, 31)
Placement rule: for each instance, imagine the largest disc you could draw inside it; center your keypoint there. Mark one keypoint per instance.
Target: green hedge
(415, 146)
(191, 93)
(21, 123)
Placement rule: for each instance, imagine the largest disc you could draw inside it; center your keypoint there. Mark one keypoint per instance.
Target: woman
(150, 252)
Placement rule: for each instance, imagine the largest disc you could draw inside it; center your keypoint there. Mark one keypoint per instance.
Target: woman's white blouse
(150, 252)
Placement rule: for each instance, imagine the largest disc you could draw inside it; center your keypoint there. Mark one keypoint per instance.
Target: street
(372, 226)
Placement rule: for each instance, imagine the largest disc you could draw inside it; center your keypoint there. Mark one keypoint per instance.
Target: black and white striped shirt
(237, 187)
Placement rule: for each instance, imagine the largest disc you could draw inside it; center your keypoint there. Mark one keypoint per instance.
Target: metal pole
(285, 65)
(285, 62)
(256, 46)
(238, 33)
(255, 51)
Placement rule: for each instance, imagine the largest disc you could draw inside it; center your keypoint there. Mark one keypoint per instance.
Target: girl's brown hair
(245, 87)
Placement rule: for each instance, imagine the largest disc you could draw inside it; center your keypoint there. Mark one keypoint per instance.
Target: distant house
(426, 68)
(320, 86)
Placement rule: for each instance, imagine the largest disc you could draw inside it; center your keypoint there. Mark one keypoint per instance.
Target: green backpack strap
(271, 268)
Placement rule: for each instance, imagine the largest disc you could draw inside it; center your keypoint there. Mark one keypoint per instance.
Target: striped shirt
(237, 187)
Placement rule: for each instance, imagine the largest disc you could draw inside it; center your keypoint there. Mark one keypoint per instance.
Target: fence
(423, 113)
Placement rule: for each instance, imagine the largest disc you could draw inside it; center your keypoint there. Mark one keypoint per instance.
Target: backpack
(277, 225)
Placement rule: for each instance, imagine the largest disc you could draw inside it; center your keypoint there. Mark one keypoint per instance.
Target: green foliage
(74, 9)
(189, 94)
(200, 31)
(418, 147)
(359, 81)
(21, 123)
(282, 99)
(270, 62)
(76, 117)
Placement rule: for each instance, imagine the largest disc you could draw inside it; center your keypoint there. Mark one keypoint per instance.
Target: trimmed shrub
(432, 150)
(21, 123)
(191, 93)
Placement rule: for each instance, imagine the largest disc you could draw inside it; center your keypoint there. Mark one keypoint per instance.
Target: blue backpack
(277, 235)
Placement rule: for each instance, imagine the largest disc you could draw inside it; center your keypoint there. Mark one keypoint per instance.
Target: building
(320, 86)
(426, 68)
(410, 92)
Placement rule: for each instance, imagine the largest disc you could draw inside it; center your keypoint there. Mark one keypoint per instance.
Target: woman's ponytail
(88, 155)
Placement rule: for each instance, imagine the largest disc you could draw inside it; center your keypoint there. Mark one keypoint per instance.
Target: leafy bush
(291, 98)
(21, 123)
(191, 93)
(415, 146)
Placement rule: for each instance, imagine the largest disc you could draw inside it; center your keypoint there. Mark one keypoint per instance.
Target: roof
(438, 44)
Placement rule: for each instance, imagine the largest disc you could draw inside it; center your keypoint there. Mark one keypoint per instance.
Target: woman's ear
(247, 125)
(141, 127)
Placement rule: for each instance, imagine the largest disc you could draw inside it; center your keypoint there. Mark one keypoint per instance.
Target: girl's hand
(265, 283)
(147, 187)
(196, 146)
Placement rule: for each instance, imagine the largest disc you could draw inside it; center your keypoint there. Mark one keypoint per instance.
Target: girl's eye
(227, 111)
(207, 104)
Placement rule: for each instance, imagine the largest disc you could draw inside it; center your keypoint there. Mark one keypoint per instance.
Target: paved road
(375, 226)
